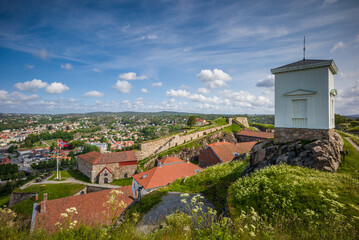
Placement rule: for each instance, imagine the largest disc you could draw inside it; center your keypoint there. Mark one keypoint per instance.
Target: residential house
(90, 209)
(104, 167)
(200, 122)
(168, 170)
(223, 152)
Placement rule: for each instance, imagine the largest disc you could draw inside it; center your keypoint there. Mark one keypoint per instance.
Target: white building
(304, 100)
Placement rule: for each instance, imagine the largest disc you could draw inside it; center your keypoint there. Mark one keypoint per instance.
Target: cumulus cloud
(56, 88)
(30, 86)
(214, 79)
(93, 94)
(203, 90)
(268, 82)
(144, 90)
(193, 97)
(157, 84)
(29, 66)
(96, 70)
(131, 76)
(15, 99)
(338, 45)
(246, 99)
(67, 66)
(123, 86)
(347, 99)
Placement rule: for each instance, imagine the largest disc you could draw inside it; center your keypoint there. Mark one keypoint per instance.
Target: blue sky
(193, 56)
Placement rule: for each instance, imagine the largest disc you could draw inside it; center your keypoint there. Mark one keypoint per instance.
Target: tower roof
(306, 64)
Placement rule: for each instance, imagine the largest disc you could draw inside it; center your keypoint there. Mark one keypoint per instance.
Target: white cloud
(93, 94)
(338, 45)
(67, 66)
(328, 2)
(214, 79)
(144, 90)
(96, 70)
(42, 53)
(123, 86)
(15, 99)
(194, 97)
(246, 99)
(29, 66)
(150, 37)
(56, 88)
(203, 90)
(268, 82)
(30, 86)
(157, 84)
(131, 76)
(347, 99)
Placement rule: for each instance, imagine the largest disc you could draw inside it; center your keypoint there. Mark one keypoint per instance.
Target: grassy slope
(71, 174)
(233, 128)
(213, 182)
(287, 194)
(53, 191)
(122, 182)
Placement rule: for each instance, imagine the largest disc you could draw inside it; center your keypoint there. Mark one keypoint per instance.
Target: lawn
(233, 128)
(122, 182)
(351, 164)
(65, 174)
(53, 191)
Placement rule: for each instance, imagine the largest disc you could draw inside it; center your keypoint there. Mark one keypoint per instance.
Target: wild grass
(233, 128)
(213, 182)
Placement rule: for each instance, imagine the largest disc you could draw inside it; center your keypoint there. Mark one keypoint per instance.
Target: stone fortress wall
(242, 120)
(151, 148)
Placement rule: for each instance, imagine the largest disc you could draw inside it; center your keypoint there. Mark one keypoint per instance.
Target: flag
(62, 143)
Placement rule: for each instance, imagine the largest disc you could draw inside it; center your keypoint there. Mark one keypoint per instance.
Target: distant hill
(356, 116)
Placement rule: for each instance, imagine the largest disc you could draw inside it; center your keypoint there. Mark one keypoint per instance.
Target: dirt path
(353, 143)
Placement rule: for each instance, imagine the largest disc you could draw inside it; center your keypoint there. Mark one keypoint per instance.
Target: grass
(122, 182)
(233, 128)
(263, 126)
(213, 182)
(4, 199)
(64, 176)
(53, 191)
(351, 164)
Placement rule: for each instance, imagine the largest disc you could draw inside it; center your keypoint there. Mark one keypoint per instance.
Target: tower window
(299, 112)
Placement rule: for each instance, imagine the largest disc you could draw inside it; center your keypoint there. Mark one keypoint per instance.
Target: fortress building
(304, 100)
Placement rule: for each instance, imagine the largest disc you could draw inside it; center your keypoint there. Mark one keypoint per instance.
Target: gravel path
(69, 180)
(353, 143)
(171, 202)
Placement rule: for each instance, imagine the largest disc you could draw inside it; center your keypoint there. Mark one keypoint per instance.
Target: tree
(89, 148)
(12, 149)
(191, 121)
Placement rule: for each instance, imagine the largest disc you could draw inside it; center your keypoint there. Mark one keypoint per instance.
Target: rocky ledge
(320, 154)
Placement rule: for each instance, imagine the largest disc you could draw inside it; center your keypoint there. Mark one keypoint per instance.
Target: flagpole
(57, 165)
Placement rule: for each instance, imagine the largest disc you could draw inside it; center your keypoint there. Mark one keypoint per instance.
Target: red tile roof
(224, 151)
(169, 160)
(162, 176)
(251, 133)
(104, 158)
(89, 207)
(5, 161)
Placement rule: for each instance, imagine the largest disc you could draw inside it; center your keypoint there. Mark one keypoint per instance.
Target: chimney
(159, 164)
(217, 141)
(42, 205)
(35, 197)
(224, 140)
(187, 161)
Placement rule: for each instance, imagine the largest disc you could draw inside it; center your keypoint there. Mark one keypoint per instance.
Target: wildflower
(64, 215)
(184, 195)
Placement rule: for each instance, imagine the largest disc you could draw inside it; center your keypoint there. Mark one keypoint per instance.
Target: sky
(185, 56)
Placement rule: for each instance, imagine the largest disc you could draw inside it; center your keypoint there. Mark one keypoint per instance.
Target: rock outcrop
(320, 154)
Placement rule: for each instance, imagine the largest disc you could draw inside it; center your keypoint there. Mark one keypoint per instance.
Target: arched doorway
(105, 180)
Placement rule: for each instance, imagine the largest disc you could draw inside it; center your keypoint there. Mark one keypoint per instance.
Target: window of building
(299, 112)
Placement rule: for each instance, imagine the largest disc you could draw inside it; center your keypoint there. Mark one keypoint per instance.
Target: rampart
(242, 120)
(150, 148)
